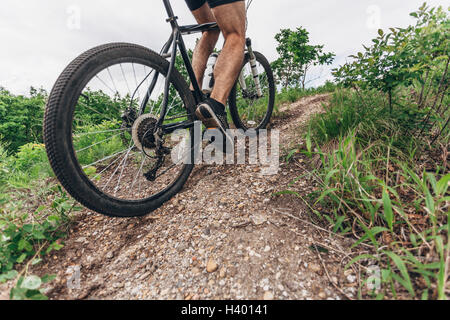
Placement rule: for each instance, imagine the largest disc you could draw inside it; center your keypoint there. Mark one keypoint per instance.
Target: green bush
(29, 164)
(21, 118)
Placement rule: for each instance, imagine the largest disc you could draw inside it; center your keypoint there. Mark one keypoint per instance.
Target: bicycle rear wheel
(247, 109)
(102, 146)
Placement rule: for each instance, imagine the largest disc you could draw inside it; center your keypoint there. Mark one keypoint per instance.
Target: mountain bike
(110, 117)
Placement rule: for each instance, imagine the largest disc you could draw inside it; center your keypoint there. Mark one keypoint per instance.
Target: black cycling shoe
(213, 115)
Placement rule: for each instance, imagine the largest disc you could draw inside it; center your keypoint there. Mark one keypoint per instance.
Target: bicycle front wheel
(248, 109)
(100, 127)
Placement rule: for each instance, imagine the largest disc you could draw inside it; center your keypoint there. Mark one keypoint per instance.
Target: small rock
(110, 255)
(314, 267)
(164, 292)
(267, 249)
(81, 240)
(322, 295)
(223, 273)
(348, 272)
(145, 276)
(212, 266)
(268, 296)
(351, 278)
(258, 219)
(291, 285)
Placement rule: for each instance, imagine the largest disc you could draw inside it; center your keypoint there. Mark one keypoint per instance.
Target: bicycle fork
(254, 71)
(208, 81)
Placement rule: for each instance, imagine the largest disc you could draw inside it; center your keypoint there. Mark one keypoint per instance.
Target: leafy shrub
(28, 165)
(26, 238)
(30, 155)
(21, 118)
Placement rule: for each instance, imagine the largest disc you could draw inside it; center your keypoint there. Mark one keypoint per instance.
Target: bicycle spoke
(121, 173)
(126, 81)
(109, 166)
(96, 144)
(117, 169)
(135, 79)
(104, 159)
(112, 80)
(95, 111)
(104, 83)
(139, 173)
(99, 132)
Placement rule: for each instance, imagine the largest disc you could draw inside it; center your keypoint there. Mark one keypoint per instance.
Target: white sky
(39, 38)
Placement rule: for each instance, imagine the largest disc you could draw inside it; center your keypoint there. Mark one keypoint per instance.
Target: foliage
(96, 106)
(293, 94)
(404, 55)
(369, 118)
(31, 225)
(105, 141)
(297, 56)
(380, 177)
(25, 239)
(402, 214)
(21, 118)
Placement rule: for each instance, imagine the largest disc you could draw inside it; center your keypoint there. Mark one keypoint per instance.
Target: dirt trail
(226, 219)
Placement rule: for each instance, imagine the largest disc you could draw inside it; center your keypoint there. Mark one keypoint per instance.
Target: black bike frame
(176, 42)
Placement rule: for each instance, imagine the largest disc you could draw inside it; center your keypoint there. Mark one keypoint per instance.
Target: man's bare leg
(205, 45)
(232, 20)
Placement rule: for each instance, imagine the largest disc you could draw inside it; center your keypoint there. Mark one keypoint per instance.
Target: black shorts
(196, 4)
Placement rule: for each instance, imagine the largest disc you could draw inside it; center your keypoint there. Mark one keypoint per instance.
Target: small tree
(297, 57)
(404, 56)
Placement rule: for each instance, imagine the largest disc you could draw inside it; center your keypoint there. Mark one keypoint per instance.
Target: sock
(216, 103)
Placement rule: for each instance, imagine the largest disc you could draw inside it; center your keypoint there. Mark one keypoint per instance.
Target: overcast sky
(39, 38)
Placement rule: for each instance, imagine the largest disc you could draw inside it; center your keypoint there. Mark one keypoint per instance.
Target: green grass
(386, 185)
(294, 94)
(34, 215)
